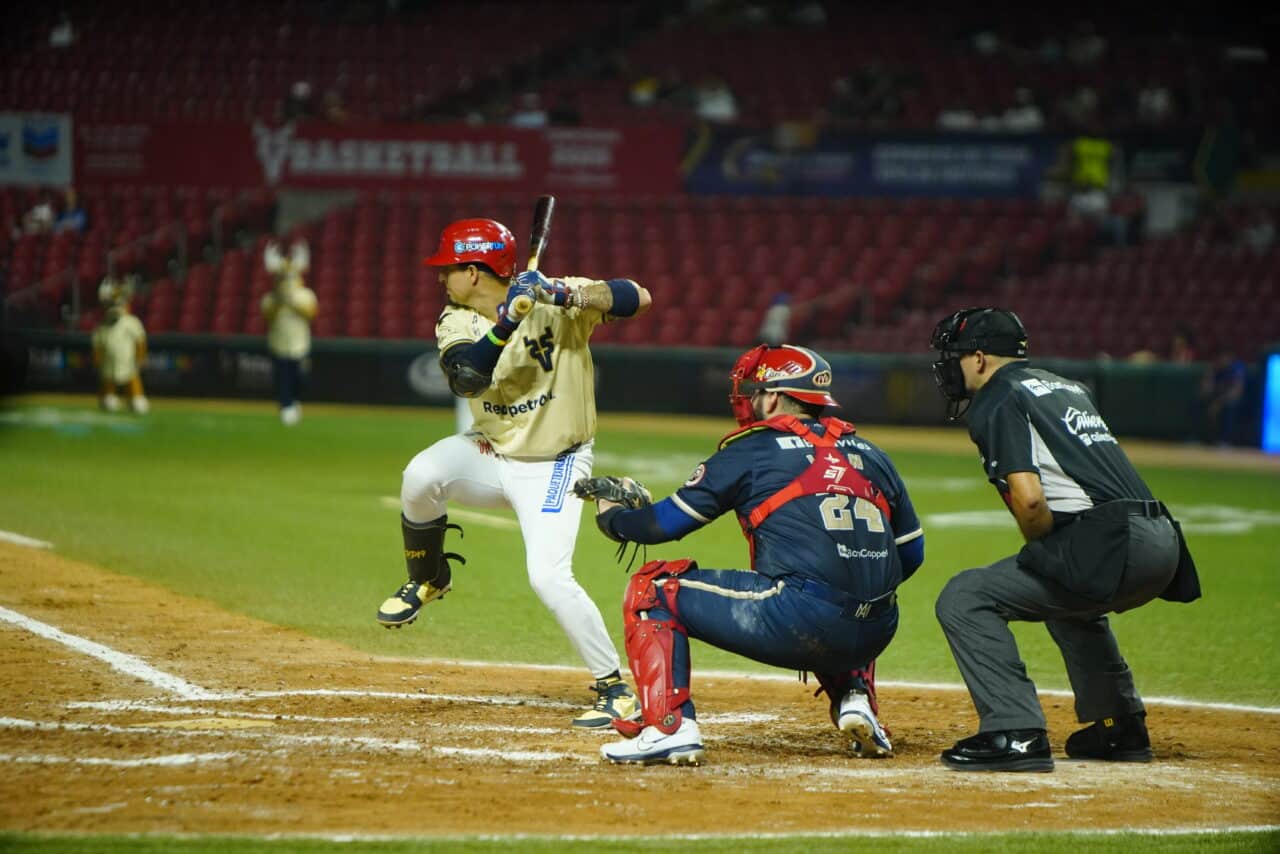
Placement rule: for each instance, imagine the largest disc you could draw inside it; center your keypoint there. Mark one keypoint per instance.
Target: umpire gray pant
(976, 606)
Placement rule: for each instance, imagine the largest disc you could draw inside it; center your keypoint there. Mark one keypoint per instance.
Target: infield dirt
(280, 733)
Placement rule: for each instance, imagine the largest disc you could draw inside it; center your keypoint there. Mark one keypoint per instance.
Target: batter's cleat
(402, 608)
(857, 720)
(655, 747)
(614, 699)
(1118, 739)
(1009, 750)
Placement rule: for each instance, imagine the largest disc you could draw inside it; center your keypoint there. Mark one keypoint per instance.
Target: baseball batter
(530, 383)
(119, 346)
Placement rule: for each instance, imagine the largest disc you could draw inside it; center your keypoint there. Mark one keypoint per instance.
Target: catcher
(119, 348)
(832, 534)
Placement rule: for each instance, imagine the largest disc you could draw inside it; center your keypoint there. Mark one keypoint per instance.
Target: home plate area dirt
(138, 716)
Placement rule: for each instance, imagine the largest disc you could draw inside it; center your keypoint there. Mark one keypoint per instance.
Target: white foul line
(121, 661)
(172, 760)
(18, 539)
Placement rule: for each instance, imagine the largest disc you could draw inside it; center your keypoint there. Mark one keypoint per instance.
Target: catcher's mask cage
(991, 330)
(794, 371)
(477, 241)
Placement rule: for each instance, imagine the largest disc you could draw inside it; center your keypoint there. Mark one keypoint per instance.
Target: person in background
(119, 348)
(289, 309)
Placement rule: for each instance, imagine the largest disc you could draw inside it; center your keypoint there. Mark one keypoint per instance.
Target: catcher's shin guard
(651, 645)
(424, 554)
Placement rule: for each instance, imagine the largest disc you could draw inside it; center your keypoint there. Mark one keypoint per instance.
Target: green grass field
(299, 527)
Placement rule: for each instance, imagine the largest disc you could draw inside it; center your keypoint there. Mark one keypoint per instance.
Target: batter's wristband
(501, 342)
(626, 297)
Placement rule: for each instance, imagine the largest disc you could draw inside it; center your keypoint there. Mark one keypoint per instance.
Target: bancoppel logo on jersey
(846, 552)
(1088, 427)
(1040, 388)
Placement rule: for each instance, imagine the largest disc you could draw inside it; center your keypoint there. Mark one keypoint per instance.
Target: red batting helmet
(794, 371)
(477, 241)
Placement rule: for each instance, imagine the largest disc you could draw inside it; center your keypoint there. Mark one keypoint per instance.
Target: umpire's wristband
(603, 520)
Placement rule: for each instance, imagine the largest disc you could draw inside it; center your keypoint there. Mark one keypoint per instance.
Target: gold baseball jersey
(542, 399)
(118, 345)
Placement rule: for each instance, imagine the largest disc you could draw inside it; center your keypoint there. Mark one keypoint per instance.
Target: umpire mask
(991, 330)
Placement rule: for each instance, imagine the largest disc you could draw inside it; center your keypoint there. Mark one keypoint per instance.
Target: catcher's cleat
(1119, 739)
(402, 608)
(614, 699)
(655, 747)
(857, 720)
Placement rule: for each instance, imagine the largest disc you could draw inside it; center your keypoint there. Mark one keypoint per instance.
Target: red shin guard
(651, 644)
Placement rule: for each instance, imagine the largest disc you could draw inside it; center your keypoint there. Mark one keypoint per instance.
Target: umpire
(1097, 541)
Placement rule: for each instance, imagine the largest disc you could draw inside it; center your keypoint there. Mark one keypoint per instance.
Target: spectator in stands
(1086, 46)
(73, 216)
(40, 219)
(289, 309)
(335, 108)
(300, 102)
(1024, 115)
(1154, 104)
(63, 35)
(119, 348)
(1259, 233)
(1181, 351)
(714, 101)
(1222, 394)
(775, 328)
(529, 112)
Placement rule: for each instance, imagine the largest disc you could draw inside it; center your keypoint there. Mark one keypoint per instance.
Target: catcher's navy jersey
(842, 541)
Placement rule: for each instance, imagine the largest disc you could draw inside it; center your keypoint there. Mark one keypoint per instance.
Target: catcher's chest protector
(829, 473)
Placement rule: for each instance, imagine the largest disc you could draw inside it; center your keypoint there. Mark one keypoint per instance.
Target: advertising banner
(35, 149)
(365, 156)
(834, 163)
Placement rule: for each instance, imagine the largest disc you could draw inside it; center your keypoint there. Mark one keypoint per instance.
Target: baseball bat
(538, 235)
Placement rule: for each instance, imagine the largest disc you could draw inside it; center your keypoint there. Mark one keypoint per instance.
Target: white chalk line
(125, 663)
(20, 540)
(138, 668)
(163, 709)
(172, 760)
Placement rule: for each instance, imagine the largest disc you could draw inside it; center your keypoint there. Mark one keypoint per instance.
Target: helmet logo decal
(460, 246)
(822, 378)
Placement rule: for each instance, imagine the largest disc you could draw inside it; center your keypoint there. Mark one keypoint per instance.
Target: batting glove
(550, 291)
(519, 289)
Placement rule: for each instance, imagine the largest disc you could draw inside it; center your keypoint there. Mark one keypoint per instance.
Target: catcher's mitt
(620, 490)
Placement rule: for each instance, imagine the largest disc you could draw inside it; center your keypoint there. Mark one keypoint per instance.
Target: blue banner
(833, 163)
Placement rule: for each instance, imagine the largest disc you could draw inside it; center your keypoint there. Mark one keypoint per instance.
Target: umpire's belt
(854, 608)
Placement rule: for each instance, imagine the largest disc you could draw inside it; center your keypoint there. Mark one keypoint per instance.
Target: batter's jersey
(118, 345)
(542, 399)
(1027, 419)
(841, 541)
(293, 304)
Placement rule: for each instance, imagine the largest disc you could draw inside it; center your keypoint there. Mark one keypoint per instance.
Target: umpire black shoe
(1008, 750)
(1119, 739)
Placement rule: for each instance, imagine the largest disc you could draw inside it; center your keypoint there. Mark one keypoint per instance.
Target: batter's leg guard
(430, 576)
(651, 645)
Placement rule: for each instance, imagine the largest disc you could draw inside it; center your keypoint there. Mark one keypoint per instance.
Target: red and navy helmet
(794, 371)
(477, 241)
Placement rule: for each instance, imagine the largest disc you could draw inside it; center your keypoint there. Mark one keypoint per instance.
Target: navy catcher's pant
(768, 621)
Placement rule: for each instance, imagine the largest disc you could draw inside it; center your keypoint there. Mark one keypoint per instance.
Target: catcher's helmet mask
(797, 372)
(994, 331)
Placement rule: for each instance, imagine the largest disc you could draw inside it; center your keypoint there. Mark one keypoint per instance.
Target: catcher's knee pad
(651, 644)
(424, 553)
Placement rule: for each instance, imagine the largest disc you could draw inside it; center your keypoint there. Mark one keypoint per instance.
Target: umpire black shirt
(1028, 419)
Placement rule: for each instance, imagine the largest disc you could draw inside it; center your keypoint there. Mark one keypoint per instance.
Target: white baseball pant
(540, 492)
